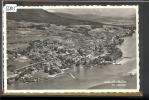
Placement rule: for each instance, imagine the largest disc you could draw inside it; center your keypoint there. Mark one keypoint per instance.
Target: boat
(117, 64)
(54, 75)
(133, 72)
(114, 62)
(65, 69)
(127, 57)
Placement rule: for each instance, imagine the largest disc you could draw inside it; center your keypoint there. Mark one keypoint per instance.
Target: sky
(118, 12)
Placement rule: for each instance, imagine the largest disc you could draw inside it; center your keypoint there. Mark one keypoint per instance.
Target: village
(53, 56)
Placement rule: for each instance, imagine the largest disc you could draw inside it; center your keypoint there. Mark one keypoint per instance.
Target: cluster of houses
(53, 57)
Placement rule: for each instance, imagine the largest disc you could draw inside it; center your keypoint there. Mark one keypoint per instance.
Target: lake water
(86, 78)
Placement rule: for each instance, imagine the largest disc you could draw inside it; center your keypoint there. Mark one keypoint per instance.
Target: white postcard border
(67, 91)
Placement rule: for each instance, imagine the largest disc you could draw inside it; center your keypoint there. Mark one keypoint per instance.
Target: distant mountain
(118, 20)
(115, 20)
(43, 16)
(66, 15)
(90, 17)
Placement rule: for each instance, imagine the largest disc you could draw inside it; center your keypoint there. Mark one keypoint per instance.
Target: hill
(106, 19)
(42, 16)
